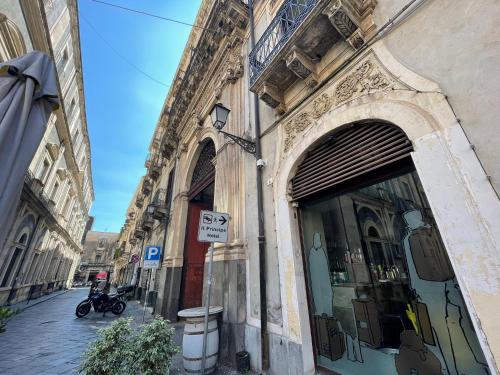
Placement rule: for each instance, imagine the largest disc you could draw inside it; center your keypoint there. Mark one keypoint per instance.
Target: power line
(122, 56)
(153, 15)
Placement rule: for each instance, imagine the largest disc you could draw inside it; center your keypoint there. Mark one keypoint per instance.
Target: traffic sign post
(212, 228)
(152, 255)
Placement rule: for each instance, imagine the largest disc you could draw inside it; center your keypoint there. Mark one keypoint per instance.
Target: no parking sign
(152, 257)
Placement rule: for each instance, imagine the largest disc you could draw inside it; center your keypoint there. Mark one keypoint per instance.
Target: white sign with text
(213, 227)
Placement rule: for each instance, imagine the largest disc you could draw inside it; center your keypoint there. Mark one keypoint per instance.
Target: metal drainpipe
(264, 337)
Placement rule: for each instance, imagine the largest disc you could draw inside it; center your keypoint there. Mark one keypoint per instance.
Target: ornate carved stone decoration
(296, 126)
(62, 173)
(169, 142)
(321, 105)
(367, 77)
(53, 150)
(228, 18)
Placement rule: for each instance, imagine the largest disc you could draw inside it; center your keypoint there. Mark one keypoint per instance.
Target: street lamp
(219, 115)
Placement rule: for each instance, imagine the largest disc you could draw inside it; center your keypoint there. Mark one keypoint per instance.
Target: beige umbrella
(28, 95)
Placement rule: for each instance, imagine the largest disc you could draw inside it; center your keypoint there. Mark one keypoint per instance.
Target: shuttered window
(347, 154)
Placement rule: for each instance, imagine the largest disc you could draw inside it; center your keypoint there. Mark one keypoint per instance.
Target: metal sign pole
(148, 282)
(207, 308)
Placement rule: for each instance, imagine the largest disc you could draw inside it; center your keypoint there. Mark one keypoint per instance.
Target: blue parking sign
(152, 256)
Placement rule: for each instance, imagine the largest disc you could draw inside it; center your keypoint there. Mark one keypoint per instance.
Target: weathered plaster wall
(456, 43)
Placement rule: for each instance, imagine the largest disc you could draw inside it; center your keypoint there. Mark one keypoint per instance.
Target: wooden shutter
(347, 154)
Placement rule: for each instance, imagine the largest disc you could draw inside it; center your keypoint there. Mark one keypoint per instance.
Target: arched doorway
(382, 294)
(201, 197)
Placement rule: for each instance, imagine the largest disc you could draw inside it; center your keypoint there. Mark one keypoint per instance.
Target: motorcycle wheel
(83, 309)
(118, 307)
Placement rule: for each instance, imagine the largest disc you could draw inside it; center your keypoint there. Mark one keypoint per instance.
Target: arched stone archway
(435, 155)
(200, 197)
(11, 40)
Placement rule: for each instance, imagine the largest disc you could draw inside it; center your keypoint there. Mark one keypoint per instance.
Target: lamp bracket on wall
(247, 145)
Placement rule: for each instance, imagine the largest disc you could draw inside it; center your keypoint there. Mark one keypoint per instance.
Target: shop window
(383, 296)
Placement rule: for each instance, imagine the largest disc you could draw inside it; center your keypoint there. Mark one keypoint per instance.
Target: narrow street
(49, 339)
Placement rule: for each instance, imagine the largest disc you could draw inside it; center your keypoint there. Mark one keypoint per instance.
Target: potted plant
(110, 354)
(154, 347)
(122, 351)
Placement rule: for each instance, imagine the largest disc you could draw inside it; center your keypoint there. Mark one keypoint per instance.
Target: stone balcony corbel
(353, 19)
(302, 66)
(273, 97)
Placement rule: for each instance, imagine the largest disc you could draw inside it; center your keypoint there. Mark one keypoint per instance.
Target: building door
(201, 197)
(383, 297)
(194, 262)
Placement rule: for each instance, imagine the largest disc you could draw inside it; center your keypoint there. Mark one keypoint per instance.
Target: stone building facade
(380, 184)
(44, 244)
(99, 252)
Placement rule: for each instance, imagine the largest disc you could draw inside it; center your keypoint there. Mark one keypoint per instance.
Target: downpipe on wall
(264, 337)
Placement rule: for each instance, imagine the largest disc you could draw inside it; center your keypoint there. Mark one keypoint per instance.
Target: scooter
(103, 303)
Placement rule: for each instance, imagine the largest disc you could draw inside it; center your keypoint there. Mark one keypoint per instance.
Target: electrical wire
(138, 69)
(152, 15)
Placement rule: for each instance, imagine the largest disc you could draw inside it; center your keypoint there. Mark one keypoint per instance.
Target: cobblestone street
(47, 338)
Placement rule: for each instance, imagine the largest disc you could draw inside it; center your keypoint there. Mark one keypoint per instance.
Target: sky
(123, 105)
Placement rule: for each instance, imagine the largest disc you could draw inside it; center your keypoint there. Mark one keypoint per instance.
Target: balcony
(298, 37)
(139, 201)
(138, 231)
(147, 186)
(169, 143)
(36, 186)
(148, 220)
(160, 204)
(154, 165)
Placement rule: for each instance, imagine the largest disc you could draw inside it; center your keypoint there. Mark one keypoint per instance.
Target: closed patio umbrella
(28, 95)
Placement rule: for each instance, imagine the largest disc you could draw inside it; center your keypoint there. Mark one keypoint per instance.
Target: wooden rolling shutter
(347, 154)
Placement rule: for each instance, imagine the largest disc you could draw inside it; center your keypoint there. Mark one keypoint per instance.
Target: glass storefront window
(383, 295)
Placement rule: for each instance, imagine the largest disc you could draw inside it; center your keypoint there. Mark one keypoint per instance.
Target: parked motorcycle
(103, 303)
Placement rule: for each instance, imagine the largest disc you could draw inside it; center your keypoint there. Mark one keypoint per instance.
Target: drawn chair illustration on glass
(382, 293)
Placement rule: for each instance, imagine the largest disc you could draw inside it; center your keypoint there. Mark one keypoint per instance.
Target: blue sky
(123, 105)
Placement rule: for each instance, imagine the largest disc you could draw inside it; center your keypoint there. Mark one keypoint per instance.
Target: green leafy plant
(154, 347)
(111, 353)
(121, 351)
(5, 315)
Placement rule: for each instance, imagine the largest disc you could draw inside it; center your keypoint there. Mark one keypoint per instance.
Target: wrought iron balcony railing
(287, 20)
(160, 204)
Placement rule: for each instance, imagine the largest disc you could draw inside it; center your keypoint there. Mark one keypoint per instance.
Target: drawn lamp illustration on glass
(383, 295)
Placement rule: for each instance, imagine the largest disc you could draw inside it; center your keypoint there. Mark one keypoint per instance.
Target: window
(383, 296)
(72, 107)
(66, 207)
(54, 191)
(101, 244)
(98, 258)
(61, 64)
(44, 171)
